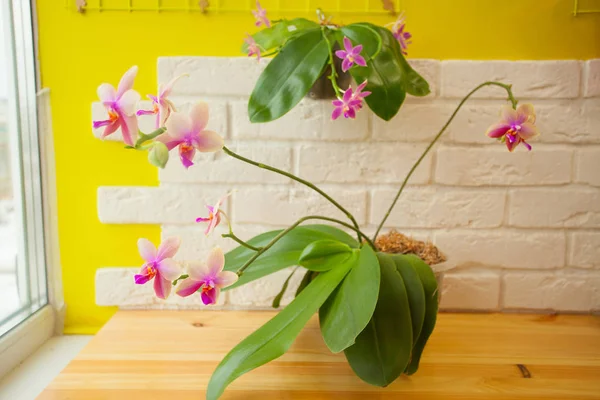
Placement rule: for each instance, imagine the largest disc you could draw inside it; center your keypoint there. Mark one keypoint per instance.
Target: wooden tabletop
(155, 355)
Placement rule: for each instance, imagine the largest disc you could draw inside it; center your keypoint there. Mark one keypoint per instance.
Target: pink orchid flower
(209, 278)
(121, 105)
(261, 16)
(214, 215)
(515, 126)
(351, 55)
(159, 265)
(253, 49)
(350, 103)
(161, 105)
(189, 134)
(401, 36)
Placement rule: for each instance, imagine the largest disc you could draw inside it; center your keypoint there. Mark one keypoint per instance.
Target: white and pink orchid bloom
(208, 278)
(189, 133)
(214, 215)
(159, 265)
(515, 126)
(261, 16)
(253, 49)
(162, 107)
(121, 106)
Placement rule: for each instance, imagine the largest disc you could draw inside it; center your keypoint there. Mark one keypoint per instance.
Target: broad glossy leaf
(415, 292)
(324, 255)
(384, 78)
(289, 76)
(431, 309)
(274, 338)
(382, 350)
(284, 253)
(364, 35)
(348, 310)
(306, 279)
(276, 35)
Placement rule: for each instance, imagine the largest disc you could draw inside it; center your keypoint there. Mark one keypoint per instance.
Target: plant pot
(322, 89)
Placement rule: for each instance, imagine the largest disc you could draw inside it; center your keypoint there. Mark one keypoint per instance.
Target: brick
(363, 163)
(155, 205)
(472, 121)
(439, 208)
(273, 206)
(309, 120)
(530, 79)
(415, 122)
(221, 76)
(503, 248)
(261, 292)
(497, 166)
(551, 208)
(470, 290)
(584, 249)
(591, 78)
(195, 245)
(219, 167)
(430, 70)
(587, 166)
(115, 287)
(556, 291)
(147, 123)
(569, 121)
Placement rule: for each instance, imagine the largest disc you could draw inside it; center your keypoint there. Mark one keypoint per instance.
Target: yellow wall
(77, 52)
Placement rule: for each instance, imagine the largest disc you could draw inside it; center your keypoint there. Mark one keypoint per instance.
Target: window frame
(30, 115)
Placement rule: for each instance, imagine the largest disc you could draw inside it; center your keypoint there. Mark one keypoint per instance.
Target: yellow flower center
(185, 147)
(113, 116)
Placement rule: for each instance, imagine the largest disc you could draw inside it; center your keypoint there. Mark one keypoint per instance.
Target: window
(23, 283)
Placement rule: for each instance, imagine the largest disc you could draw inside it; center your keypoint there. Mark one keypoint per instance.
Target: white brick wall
(521, 230)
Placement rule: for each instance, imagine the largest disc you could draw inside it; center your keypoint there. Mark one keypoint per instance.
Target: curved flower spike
(189, 134)
(208, 278)
(214, 215)
(261, 16)
(515, 126)
(351, 55)
(161, 105)
(120, 104)
(159, 265)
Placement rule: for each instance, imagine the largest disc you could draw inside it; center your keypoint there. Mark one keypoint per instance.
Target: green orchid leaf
(415, 292)
(431, 309)
(289, 76)
(306, 279)
(324, 255)
(276, 36)
(363, 35)
(285, 253)
(348, 310)
(275, 337)
(384, 77)
(277, 300)
(382, 350)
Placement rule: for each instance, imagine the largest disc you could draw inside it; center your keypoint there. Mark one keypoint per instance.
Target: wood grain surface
(154, 355)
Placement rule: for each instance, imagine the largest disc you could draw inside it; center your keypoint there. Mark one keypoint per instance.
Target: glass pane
(22, 269)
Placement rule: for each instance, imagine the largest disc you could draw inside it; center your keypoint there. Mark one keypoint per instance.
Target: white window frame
(30, 114)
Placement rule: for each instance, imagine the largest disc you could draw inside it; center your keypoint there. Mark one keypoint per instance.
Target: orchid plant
(305, 51)
(377, 308)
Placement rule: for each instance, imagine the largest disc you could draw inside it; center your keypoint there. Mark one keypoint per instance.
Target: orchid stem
(302, 181)
(295, 224)
(333, 76)
(144, 138)
(511, 98)
(232, 236)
